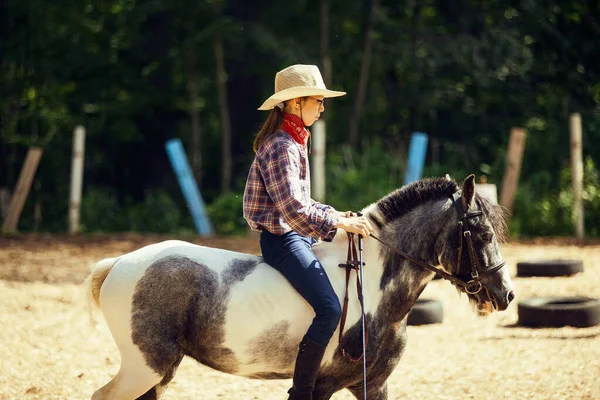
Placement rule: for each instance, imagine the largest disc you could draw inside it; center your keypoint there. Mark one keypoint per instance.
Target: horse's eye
(487, 236)
(473, 221)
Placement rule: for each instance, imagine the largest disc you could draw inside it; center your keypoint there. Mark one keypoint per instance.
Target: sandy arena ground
(49, 350)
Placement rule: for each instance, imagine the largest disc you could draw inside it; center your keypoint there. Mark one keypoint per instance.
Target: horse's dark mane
(402, 201)
(497, 216)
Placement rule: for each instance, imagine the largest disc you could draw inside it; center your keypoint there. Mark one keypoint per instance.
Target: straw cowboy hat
(298, 81)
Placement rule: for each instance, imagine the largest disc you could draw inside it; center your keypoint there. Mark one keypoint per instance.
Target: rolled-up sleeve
(321, 206)
(281, 174)
(328, 209)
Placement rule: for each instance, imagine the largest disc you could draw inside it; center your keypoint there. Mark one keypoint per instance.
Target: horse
(234, 313)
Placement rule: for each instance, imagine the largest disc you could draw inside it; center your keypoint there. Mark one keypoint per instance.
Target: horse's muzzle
(502, 304)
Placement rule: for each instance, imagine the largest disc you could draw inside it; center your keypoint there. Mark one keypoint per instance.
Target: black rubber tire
(549, 268)
(426, 312)
(559, 311)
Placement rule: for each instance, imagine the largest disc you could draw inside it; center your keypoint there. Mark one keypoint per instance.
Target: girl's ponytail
(271, 125)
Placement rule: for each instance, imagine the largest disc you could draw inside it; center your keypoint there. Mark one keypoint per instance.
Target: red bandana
(294, 126)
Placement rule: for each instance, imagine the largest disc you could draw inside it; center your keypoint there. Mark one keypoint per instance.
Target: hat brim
(292, 93)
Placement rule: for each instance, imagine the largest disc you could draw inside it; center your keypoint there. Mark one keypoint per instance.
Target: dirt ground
(49, 349)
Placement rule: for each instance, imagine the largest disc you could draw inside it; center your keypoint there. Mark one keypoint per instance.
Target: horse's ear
(468, 192)
(448, 177)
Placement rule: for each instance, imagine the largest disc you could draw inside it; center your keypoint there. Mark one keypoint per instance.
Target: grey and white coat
(236, 314)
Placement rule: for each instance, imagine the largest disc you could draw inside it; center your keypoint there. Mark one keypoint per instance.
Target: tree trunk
(194, 97)
(359, 100)
(435, 144)
(226, 162)
(325, 59)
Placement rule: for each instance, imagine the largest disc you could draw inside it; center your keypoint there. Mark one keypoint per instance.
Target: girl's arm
(280, 171)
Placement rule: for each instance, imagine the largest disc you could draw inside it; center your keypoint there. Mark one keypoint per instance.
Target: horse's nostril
(510, 296)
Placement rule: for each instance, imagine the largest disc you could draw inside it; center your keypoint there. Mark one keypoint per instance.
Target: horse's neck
(334, 253)
(399, 282)
(418, 234)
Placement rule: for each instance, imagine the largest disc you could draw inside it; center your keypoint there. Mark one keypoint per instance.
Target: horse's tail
(93, 283)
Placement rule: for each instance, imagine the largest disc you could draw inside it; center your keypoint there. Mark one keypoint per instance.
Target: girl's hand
(354, 224)
(346, 214)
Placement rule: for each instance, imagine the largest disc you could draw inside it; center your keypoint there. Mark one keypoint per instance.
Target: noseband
(474, 285)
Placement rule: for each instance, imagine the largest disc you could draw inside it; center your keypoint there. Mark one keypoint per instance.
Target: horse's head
(475, 257)
(419, 222)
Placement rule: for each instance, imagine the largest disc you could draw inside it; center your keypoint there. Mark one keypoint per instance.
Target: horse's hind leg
(130, 383)
(137, 379)
(161, 388)
(157, 392)
(137, 382)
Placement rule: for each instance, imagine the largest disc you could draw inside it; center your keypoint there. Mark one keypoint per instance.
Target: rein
(352, 263)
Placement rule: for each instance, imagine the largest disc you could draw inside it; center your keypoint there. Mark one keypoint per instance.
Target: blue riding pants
(292, 255)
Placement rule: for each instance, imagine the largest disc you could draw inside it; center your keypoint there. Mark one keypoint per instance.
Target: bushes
(158, 213)
(546, 208)
(226, 215)
(355, 180)
(543, 203)
(102, 212)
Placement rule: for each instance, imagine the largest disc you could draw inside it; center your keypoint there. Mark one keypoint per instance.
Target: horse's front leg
(374, 392)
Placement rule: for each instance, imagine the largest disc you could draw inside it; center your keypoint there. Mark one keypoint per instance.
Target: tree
(364, 73)
(226, 161)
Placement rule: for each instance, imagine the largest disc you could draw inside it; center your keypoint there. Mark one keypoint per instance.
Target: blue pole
(188, 186)
(416, 157)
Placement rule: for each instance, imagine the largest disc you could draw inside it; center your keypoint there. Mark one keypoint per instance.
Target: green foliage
(356, 179)
(133, 71)
(158, 213)
(542, 212)
(538, 212)
(102, 212)
(591, 198)
(226, 216)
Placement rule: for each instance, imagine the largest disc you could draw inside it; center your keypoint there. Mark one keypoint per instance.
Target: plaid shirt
(277, 194)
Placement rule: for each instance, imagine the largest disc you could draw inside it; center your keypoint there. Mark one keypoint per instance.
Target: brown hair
(271, 125)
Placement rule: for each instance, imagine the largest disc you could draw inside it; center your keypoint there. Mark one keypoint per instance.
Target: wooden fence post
(4, 202)
(76, 178)
(516, 146)
(22, 190)
(318, 161)
(577, 171)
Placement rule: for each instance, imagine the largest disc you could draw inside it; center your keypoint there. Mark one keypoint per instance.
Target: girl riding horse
(238, 315)
(277, 203)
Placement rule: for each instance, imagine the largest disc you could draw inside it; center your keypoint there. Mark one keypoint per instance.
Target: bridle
(474, 285)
